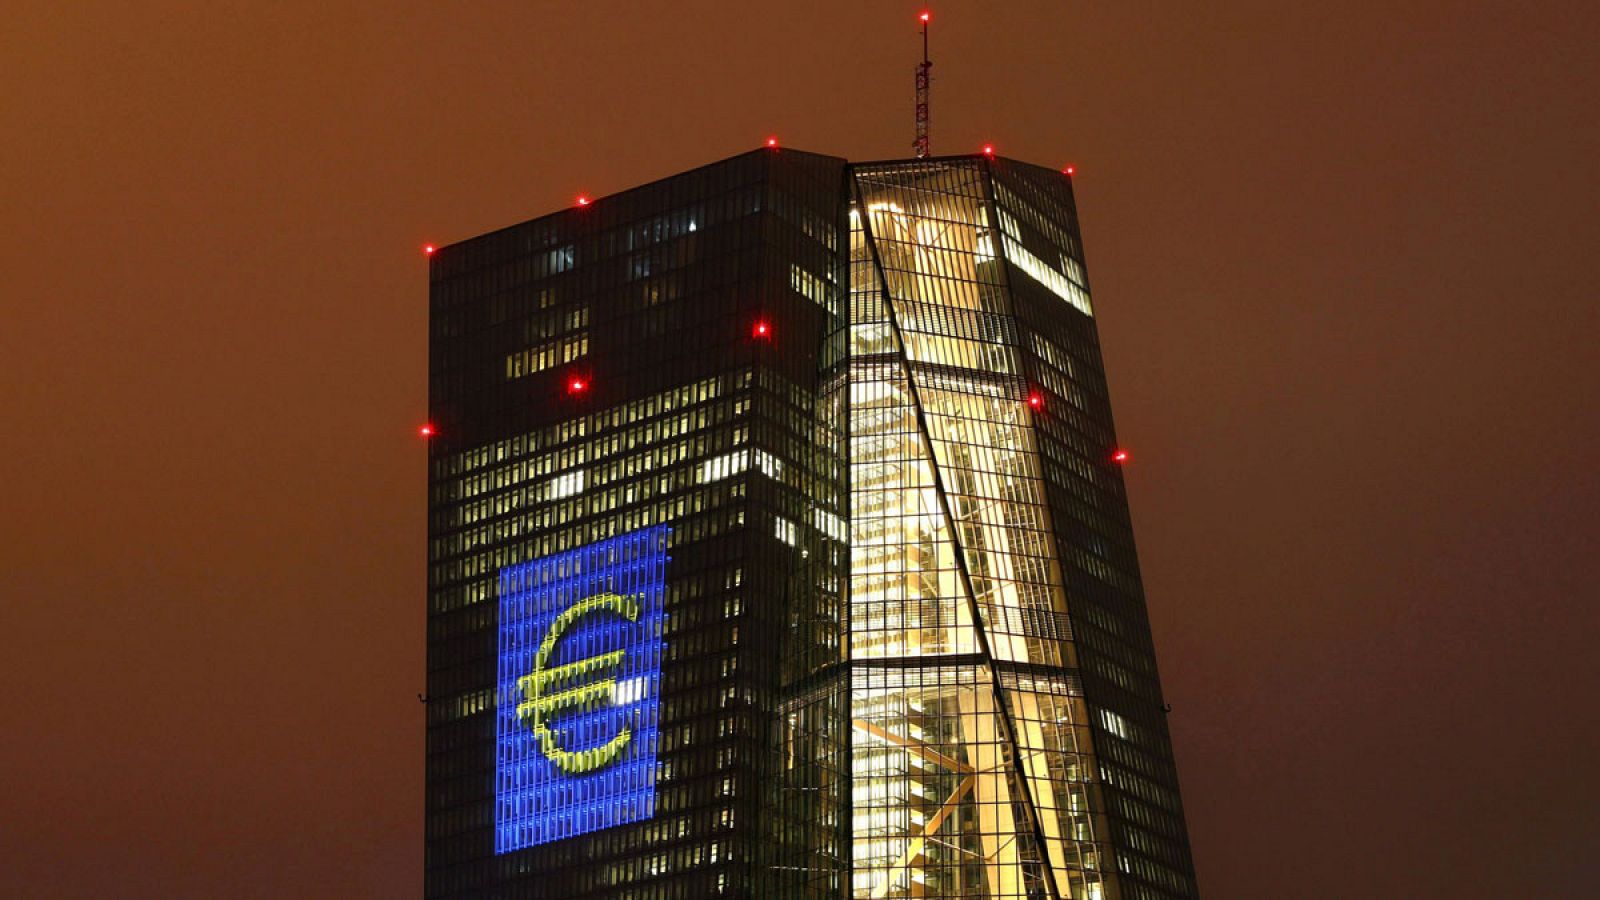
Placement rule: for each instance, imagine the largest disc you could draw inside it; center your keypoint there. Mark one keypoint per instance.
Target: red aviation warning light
(1036, 400)
(761, 330)
(426, 430)
(1120, 456)
(1070, 170)
(577, 385)
(925, 16)
(427, 249)
(583, 200)
(772, 141)
(988, 149)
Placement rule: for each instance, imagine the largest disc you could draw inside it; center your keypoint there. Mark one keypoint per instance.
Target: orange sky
(1344, 264)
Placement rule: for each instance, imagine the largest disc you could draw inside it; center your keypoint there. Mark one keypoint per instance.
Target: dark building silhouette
(778, 548)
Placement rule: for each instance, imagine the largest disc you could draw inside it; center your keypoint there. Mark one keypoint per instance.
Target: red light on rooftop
(1121, 456)
(426, 430)
(577, 385)
(583, 200)
(772, 141)
(1036, 400)
(428, 249)
(925, 16)
(988, 149)
(1070, 170)
(761, 330)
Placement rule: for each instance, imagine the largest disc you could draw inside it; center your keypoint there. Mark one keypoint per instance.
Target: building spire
(924, 76)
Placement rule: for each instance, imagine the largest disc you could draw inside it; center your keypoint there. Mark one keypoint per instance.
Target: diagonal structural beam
(918, 841)
(1003, 708)
(916, 748)
(915, 845)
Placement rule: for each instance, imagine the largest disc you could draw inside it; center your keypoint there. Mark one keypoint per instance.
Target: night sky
(1344, 260)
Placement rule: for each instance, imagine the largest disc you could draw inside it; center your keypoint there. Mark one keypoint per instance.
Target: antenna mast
(924, 75)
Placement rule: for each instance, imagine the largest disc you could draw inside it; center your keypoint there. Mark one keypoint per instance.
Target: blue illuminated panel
(578, 690)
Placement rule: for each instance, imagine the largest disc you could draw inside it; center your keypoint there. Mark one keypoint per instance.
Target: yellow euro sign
(547, 692)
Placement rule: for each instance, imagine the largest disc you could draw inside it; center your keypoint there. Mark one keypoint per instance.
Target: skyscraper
(778, 549)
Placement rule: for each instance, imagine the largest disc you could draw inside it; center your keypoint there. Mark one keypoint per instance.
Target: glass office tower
(777, 549)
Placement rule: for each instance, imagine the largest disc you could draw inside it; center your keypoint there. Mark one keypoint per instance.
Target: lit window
(786, 531)
(565, 485)
(548, 355)
(729, 464)
(1115, 724)
(831, 525)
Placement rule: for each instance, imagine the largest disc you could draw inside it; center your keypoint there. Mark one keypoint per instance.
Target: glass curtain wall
(595, 373)
(1136, 777)
(970, 747)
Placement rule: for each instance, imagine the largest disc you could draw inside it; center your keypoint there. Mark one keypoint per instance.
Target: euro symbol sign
(549, 691)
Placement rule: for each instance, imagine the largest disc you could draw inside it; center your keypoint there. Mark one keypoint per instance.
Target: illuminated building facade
(779, 548)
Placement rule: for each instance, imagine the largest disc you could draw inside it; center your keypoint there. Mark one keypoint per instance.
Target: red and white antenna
(924, 76)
